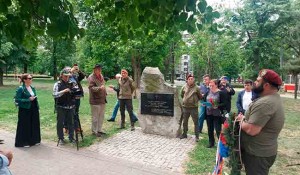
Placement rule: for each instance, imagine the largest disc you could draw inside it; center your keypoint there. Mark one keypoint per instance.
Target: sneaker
(61, 142)
(132, 128)
(26, 146)
(111, 120)
(197, 139)
(183, 136)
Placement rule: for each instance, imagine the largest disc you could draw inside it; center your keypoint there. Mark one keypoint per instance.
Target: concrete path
(128, 153)
(147, 149)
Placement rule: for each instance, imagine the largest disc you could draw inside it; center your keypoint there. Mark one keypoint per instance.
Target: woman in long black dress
(28, 129)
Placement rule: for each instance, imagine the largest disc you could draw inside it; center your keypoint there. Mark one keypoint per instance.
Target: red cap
(190, 75)
(124, 70)
(270, 76)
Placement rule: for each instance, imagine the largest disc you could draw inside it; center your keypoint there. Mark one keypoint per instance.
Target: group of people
(215, 98)
(67, 92)
(259, 107)
(260, 112)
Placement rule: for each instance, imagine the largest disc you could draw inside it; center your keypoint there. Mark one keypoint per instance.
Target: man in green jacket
(125, 98)
(191, 95)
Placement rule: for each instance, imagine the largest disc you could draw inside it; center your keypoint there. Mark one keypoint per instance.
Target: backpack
(15, 97)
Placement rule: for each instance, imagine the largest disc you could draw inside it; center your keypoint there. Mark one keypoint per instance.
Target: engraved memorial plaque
(157, 104)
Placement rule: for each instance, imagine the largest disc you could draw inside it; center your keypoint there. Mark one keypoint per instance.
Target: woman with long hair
(28, 129)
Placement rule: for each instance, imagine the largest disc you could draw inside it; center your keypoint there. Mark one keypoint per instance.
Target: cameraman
(76, 77)
(63, 92)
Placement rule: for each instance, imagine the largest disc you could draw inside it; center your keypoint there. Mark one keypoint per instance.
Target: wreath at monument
(229, 146)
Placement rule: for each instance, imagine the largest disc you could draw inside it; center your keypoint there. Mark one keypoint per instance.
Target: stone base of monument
(160, 110)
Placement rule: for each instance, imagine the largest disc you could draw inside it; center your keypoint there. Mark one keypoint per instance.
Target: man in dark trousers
(125, 97)
(65, 105)
(262, 124)
(76, 78)
(191, 95)
(228, 92)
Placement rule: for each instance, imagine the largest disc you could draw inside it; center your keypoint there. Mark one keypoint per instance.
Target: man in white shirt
(245, 97)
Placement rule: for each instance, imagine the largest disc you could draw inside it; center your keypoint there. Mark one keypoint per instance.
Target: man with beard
(262, 124)
(228, 91)
(191, 95)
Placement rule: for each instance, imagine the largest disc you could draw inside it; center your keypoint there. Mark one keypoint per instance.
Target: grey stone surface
(147, 149)
(48, 159)
(152, 81)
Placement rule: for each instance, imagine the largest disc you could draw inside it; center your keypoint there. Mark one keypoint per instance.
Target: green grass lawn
(9, 113)
(201, 159)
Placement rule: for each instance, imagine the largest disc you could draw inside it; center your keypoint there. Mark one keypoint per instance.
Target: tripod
(78, 130)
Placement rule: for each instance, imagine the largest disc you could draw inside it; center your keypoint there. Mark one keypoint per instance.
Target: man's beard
(258, 89)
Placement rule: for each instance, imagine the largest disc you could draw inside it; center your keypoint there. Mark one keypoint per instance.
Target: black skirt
(28, 129)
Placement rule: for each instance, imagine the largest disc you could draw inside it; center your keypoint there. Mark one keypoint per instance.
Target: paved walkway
(148, 149)
(128, 153)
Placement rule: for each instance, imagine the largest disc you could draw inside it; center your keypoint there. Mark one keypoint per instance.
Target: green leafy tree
(291, 36)
(293, 67)
(256, 24)
(21, 22)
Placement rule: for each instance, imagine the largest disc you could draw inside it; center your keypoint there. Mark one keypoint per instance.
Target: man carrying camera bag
(65, 105)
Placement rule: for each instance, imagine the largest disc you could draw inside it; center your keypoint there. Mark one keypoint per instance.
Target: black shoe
(111, 120)
(132, 128)
(210, 146)
(102, 133)
(97, 134)
(183, 136)
(72, 141)
(61, 142)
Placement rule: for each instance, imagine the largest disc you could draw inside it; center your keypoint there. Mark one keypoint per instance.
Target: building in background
(184, 68)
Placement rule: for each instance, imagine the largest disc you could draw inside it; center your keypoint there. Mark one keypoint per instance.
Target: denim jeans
(201, 117)
(115, 111)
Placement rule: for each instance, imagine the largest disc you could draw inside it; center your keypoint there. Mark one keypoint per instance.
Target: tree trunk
(296, 86)
(138, 71)
(25, 68)
(166, 68)
(54, 59)
(1, 76)
(172, 64)
(256, 59)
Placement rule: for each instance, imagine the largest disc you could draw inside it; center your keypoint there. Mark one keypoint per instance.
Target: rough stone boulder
(152, 81)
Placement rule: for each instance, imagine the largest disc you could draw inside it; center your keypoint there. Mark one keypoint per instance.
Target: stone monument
(159, 111)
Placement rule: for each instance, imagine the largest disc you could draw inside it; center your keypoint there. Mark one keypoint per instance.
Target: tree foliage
(158, 15)
(256, 24)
